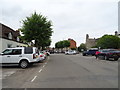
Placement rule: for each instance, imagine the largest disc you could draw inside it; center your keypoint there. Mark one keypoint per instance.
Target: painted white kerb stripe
(33, 79)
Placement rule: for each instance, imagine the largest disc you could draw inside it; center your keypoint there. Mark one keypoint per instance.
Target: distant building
(72, 43)
(90, 42)
(9, 38)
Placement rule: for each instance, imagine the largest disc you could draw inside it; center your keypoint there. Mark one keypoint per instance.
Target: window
(9, 45)
(12, 52)
(28, 50)
(7, 52)
(18, 39)
(10, 35)
(16, 51)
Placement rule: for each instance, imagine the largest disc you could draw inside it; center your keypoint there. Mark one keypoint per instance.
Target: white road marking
(7, 74)
(43, 66)
(33, 79)
(40, 70)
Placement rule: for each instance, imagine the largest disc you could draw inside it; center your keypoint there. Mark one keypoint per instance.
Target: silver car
(70, 52)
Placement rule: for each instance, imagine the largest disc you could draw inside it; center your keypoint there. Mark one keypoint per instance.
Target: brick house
(72, 43)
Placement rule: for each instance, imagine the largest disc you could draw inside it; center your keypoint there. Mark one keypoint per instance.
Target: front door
(6, 56)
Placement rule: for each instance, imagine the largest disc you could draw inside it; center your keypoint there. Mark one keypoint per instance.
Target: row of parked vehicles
(23, 56)
(105, 54)
(71, 52)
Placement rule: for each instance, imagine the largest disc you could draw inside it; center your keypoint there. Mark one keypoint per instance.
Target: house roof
(5, 30)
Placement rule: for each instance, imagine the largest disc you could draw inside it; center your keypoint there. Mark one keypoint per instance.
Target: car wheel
(116, 59)
(106, 58)
(24, 64)
(84, 54)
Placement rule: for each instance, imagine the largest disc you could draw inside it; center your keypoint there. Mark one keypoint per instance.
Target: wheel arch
(24, 60)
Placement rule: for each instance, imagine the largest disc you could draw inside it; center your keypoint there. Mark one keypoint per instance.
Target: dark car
(106, 54)
(89, 52)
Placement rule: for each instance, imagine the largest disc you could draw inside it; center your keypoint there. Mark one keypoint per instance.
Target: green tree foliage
(109, 41)
(62, 44)
(82, 47)
(38, 28)
(73, 48)
(66, 43)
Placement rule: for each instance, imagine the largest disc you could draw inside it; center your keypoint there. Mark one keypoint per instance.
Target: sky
(70, 18)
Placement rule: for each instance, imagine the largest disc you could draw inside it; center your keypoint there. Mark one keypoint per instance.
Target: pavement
(63, 71)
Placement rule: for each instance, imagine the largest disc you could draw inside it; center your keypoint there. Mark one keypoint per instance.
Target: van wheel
(24, 64)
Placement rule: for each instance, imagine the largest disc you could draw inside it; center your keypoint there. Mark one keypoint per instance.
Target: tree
(62, 44)
(73, 48)
(109, 41)
(66, 43)
(38, 28)
(46, 43)
(82, 47)
(56, 45)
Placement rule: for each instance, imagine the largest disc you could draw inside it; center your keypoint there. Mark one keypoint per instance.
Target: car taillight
(41, 55)
(110, 53)
(97, 52)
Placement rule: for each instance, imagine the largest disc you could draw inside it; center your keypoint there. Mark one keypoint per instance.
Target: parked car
(75, 52)
(96, 53)
(109, 53)
(23, 56)
(52, 51)
(46, 53)
(42, 56)
(69, 52)
(89, 52)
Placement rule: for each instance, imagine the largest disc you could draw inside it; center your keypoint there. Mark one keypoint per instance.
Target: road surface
(63, 71)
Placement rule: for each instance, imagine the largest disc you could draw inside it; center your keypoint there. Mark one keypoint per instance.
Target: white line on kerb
(40, 70)
(33, 79)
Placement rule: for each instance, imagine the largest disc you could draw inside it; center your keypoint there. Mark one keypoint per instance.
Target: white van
(20, 55)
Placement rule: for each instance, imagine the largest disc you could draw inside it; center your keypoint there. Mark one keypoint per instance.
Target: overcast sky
(71, 18)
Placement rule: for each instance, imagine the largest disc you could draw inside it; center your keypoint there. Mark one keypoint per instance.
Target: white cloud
(71, 18)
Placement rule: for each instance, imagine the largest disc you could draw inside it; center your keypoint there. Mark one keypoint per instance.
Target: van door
(6, 56)
(16, 55)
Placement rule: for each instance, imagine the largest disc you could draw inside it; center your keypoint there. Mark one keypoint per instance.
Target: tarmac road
(63, 71)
